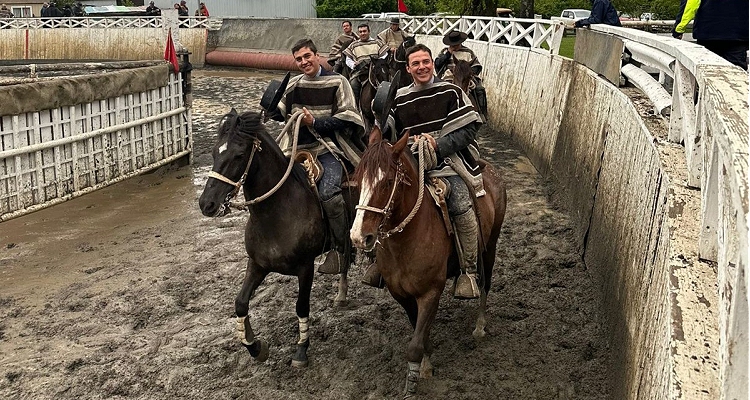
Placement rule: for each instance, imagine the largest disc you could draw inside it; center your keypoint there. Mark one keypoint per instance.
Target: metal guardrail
(535, 33)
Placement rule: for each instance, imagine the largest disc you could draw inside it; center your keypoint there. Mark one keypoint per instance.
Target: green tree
(468, 7)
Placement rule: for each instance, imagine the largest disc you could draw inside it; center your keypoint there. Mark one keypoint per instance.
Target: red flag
(170, 54)
(402, 6)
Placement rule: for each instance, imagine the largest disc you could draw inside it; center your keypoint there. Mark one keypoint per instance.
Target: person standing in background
(720, 26)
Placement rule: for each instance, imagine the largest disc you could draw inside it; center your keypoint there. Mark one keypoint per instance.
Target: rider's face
(364, 33)
(420, 67)
(347, 27)
(307, 61)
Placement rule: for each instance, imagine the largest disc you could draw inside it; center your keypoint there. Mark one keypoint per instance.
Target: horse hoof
(340, 303)
(478, 333)
(263, 353)
(300, 363)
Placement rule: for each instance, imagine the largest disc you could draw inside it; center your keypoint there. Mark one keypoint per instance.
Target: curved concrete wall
(585, 133)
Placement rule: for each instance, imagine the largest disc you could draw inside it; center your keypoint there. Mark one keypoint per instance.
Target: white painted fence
(49, 156)
(99, 22)
(535, 33)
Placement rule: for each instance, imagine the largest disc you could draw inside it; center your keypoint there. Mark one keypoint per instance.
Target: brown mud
(129, 293)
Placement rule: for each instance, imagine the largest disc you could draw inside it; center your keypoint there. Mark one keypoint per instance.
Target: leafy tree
(353, 9)
(468, 7)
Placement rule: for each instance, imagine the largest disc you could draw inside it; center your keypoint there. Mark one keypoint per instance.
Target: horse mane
(249, 125)
(462, 73)
(377, 155)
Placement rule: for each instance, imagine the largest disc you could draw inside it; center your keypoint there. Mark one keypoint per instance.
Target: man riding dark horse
(442, 113)
(358, 55)
(331, 131)
(444, 65)
(393, 37)
(335, 58)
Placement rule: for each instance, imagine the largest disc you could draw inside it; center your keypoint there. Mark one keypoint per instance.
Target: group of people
(183, 12)
(718, 25)
(51, 10)
(332, 127)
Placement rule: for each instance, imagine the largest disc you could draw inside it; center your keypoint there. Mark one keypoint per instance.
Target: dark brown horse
(463, 75)
(399, 60)
(284, 233)
(377, 72)
(415, 253)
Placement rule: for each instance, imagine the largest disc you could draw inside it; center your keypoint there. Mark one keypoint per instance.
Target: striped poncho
(442, 110)
(326, 95)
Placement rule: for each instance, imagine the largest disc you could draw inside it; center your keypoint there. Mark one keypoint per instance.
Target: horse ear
(376, 135)
(233, 111)
(401, 144)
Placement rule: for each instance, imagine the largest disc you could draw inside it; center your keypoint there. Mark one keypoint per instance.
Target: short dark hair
(363, 26)
(417, 47)
(306, 42)
(346, 21)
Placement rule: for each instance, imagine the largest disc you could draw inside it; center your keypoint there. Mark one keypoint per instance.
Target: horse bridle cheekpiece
(237, 185)
(388, 209)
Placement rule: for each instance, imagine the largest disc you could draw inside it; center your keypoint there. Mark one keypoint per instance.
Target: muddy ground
(129, 293)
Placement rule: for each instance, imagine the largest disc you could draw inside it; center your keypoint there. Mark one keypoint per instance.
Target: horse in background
(377, 73)
(399, 62)
(463, 76)
(415, 252)
(284, 234)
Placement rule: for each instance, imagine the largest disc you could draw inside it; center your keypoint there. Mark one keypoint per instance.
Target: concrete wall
(279, 35)
(585, 134)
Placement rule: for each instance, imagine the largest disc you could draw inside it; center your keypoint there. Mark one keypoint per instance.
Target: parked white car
(575, 14)
(384, 16)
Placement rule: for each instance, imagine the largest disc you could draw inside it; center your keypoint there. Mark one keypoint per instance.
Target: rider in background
(393, 36)
(331, 129)
(444, 64)
(442, 113)
(357, 57)
(341, 43)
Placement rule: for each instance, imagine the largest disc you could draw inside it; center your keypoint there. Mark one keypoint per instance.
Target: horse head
(400, 56)
(378, 71)
(462, 74)
(239, 138)
(382, 175)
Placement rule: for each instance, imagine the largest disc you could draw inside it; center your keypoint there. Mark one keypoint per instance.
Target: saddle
(315, 169)
(439, 190)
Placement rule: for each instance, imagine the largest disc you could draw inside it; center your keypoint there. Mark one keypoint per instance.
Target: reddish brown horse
(415, 253)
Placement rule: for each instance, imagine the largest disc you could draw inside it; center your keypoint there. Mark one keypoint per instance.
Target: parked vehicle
(504, 12)
(384, 15)
(575, 14)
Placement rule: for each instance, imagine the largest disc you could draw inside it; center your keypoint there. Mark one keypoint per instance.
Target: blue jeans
(459, 200)
(329, 184)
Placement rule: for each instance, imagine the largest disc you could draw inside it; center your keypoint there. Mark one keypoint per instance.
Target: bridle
(401, 177)
(295, 119)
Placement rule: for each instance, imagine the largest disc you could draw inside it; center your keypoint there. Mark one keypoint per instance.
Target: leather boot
(372, 277)
(335, 211)
(481, 96)
(466, 231)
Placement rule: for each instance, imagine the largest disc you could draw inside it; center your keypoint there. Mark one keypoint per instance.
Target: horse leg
(340, 299)
(305, 278)
(427, 308)
(257, 348)
(489, 262)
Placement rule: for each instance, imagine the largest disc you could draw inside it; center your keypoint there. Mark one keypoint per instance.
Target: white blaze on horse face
(223, 148)
(368, 186)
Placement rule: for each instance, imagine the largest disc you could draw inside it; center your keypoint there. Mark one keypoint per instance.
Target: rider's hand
(308, 119)
(430, 140)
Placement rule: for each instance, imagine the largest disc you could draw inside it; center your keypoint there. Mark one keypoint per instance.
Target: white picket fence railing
(536, 33)
(50, 156)
(102, 22)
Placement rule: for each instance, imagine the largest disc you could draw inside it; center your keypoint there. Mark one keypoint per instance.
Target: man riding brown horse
(441, 113)
(444, 64)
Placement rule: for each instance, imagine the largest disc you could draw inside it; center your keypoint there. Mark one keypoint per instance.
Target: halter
(400, 178)
(295, 119)
(237, 185)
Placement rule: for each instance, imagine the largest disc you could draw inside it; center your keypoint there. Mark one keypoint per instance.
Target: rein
(400, 178)
(296, 118)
